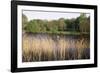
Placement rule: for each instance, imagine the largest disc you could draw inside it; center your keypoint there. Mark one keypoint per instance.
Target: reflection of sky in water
(50, 15)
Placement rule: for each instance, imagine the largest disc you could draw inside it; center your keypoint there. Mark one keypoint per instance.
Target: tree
(32, 26)
(70, 25)
(54, 25)
(77, 24)
(41, 25)
(88, 24)
(61, 24)
(84, 23)
(24, 20)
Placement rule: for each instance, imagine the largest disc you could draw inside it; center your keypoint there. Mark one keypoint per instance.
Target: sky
(46, 15)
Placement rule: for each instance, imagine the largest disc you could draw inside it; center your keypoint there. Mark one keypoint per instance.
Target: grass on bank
(62, 32)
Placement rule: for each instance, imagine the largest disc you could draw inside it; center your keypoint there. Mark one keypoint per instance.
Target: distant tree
(24, 20)
(88, 24)
(84, 23)
(55, 25)
(61, 24)
(67, 22)
(70, 25)
(41, 25)
(79, 24)
(32, 26)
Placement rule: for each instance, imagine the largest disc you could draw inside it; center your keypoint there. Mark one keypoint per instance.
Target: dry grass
(50, 48)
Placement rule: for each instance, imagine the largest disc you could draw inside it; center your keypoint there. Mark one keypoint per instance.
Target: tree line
(79, 24)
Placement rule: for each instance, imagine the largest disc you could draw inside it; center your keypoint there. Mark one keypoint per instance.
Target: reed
(50, 49)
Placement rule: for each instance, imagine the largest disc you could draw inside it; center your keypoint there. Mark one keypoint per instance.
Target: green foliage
(61, 24)
(32, 26)
(84, 23)
(79, 24)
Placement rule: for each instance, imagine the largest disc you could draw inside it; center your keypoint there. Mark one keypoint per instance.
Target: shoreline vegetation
(48, 47)
(60, 33)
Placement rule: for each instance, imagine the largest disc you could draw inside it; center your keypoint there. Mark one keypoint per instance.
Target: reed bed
(52, 48)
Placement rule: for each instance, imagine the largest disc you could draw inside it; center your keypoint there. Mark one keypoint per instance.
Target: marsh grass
(51, 48)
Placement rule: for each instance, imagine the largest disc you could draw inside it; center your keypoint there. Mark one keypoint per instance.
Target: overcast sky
(50, 15)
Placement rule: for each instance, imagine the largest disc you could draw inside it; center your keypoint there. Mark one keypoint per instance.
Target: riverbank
(60, 33)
